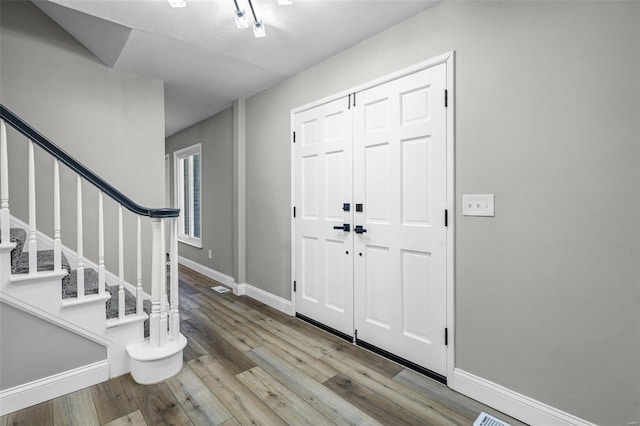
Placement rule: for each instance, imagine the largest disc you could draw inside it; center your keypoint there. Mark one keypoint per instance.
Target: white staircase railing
(164, 318)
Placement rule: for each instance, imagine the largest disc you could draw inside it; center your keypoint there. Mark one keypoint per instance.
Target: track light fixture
(242, 22)
(241, 17)
(178, 3)
(258, 25)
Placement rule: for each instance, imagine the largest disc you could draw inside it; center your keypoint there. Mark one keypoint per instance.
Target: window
(187, 164)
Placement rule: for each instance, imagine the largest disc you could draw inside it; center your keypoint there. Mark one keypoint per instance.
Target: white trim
(41, 390)
(512, 403)
(38, 276)
(208, 272)
(240, 189)
(91, 298)
(8, 247)
(437, 60)
(293, 219)
(276, 302)
(167, 181)
(195, 149)
(128, 319)
(451, 210)
(240, 289)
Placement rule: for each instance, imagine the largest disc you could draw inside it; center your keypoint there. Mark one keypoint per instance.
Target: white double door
(380, 168)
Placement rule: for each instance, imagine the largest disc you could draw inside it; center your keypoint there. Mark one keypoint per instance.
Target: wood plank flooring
(248, 364)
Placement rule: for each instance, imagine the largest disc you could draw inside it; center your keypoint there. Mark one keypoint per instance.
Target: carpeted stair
(20, 265)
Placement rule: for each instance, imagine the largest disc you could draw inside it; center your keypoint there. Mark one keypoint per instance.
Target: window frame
(178, 185)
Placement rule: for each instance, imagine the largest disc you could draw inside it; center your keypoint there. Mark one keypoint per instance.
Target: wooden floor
(247, 363)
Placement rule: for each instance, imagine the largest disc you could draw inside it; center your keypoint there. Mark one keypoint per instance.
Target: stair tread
(70, 289)
(129, 305)
(44, 260)
(18, 236)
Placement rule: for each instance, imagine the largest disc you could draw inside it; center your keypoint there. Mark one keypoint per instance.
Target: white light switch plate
(478, 205)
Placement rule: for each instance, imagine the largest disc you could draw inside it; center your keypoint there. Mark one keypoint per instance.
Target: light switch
(478, 205)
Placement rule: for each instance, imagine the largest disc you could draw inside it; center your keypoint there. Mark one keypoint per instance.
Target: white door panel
(400, 177)
(324, 265)
(388, 154)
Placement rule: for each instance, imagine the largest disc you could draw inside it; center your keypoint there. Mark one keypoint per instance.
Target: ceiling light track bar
(253, 12)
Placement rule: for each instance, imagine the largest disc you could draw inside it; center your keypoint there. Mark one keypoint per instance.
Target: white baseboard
(276, 302)
(240, 289)
(41, 390)
(207, 272)
(512, 403)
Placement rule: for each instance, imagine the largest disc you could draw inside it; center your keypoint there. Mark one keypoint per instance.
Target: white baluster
(4, 185)
(101, 269)
(57, 243)
(121, 312)
(139, 271)
(163, 288)
(33, 245)
(80, 266)
(173, 280)
(157, 263)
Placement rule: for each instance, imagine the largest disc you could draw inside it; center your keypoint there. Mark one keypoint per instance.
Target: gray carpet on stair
(129, 305)
(18, 236)
(90, 283)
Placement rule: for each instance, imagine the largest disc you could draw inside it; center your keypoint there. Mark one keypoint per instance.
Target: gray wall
(111, 121)
(547, 118)
(33, 348)
(216, 136)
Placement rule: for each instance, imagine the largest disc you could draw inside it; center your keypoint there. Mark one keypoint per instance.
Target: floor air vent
(485, 419)
(220, 289)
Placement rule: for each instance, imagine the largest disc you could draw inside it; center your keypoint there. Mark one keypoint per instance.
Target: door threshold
(404, 362)
(326, 328)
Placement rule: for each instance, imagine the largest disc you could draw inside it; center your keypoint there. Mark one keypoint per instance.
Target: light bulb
(258, 29)
(241, 19)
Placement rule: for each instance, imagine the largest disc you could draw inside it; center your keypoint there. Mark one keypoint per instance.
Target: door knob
(346, 227)
(359, 229)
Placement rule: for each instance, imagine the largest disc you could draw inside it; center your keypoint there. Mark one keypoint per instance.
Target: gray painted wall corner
(216, 134)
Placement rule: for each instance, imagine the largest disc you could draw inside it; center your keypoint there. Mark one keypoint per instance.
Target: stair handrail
(21, 126)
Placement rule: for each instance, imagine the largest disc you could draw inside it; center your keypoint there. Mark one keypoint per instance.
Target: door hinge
(446, 98)
(294, 137)
(446, 217)
(294, 211)
(446, 336)
(294, 287)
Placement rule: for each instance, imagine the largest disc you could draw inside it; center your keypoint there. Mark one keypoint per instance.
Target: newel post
(157, 271)
(4, 184)
(174, 318)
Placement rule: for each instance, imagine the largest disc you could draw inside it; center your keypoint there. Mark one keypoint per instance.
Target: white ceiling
(205, 61)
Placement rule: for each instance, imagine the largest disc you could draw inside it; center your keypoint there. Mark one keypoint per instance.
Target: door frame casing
(447, 58)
